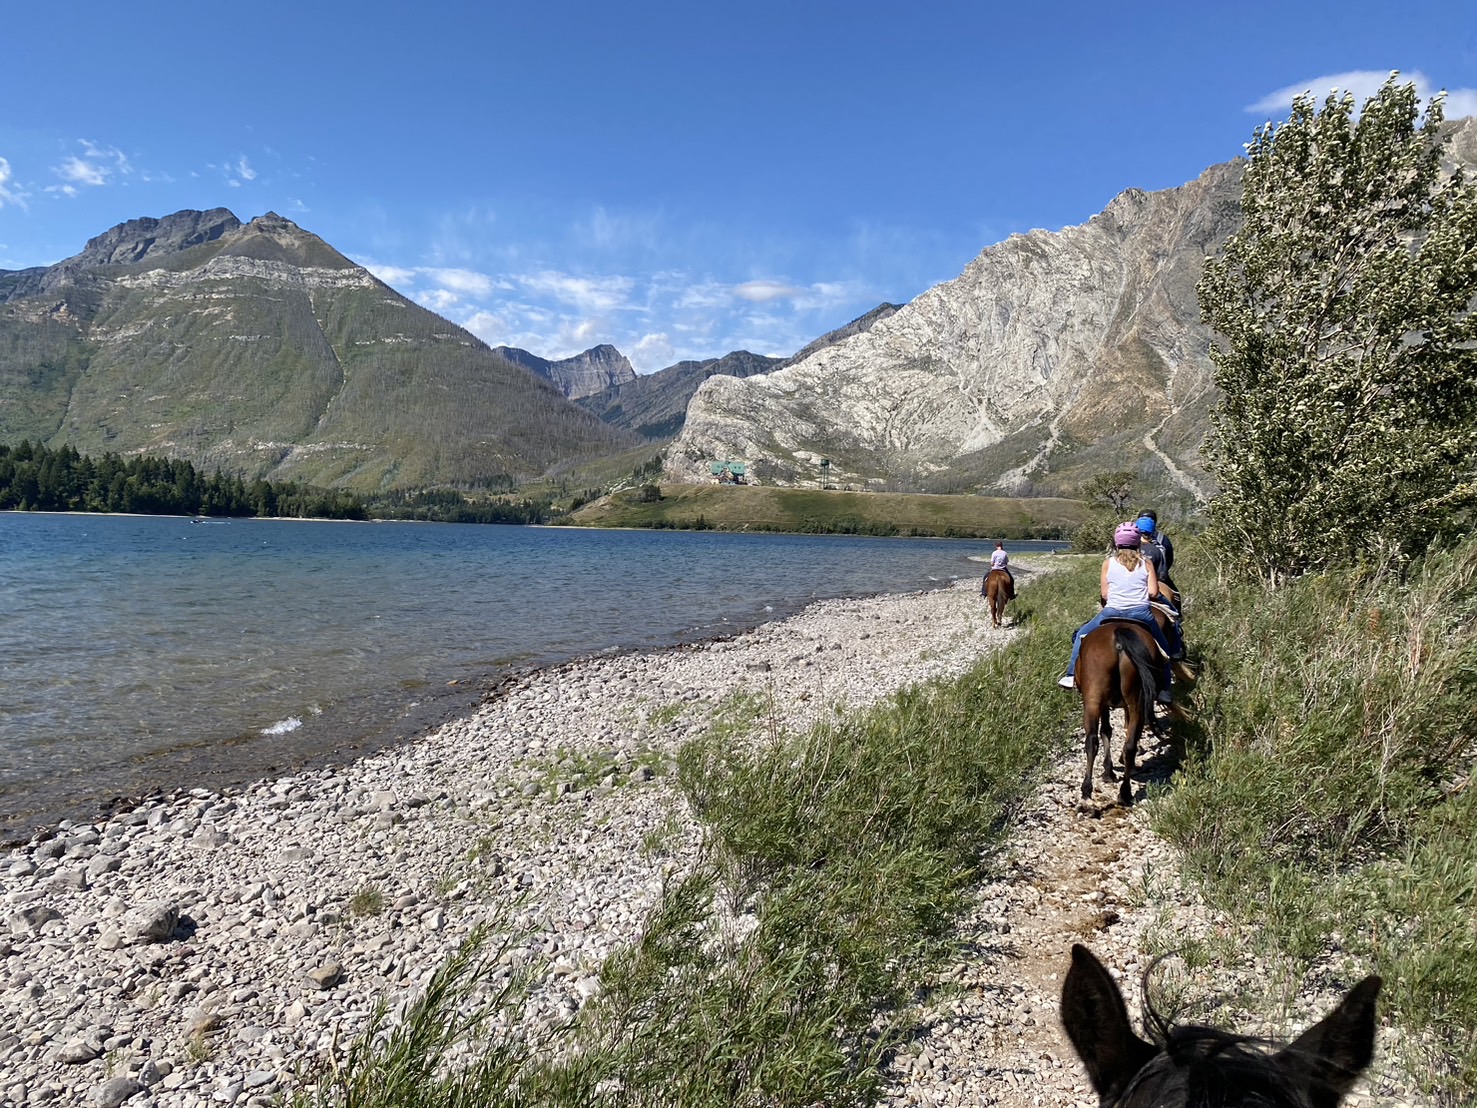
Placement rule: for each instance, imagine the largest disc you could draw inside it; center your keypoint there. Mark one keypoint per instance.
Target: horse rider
(1126, 583)
(1168, 595)
(1164, 544)
(999, 559)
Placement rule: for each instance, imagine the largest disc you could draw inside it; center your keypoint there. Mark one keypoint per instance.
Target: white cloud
(589, 294)
(243, 168)
(652, 352)
(1364, 83)
(105, 154)
(391, 274)
(438, 300)
(462, 280)
(705, 296)
(1461, 102)
(10, 193)
(79, 172)
(96, 166)
(762, 292)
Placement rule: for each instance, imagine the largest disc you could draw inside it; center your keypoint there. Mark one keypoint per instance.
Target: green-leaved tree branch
(1347, 360)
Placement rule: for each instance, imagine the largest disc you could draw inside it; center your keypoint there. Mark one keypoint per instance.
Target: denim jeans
(1140, 614)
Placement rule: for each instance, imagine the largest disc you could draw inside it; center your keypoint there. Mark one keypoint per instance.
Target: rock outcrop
(1051, 351)
(597, 369)
(1053, 356)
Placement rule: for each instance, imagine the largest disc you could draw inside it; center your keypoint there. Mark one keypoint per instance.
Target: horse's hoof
(1109, 775)
(1125, 795)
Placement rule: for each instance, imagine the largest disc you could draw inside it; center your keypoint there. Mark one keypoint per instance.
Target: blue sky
(678, 179)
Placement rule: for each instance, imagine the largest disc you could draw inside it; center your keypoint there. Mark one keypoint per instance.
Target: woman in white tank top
(1125, 584)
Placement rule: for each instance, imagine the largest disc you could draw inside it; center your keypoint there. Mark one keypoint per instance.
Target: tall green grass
(1331, 794)
(783, 969)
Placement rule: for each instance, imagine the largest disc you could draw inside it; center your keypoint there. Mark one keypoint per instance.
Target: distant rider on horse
(1001, 561)
(1126, 583)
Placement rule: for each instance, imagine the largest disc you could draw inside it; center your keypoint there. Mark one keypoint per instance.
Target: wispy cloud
(96, 166)
(655, 317)
(1364, 83)
(590, 294)
(762, 292)
(10, 192)
(465, 281)
(236, 170)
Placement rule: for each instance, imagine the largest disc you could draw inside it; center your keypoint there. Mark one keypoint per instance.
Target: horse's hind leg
(1090, 720)
(1108, 774)
(1132, 732)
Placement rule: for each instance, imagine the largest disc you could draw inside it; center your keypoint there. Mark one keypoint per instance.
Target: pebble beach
(207, 948)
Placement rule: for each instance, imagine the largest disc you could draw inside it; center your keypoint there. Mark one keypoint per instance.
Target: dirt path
(1070, 876)
(1097, 874)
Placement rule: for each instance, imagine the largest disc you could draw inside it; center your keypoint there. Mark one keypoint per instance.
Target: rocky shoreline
(207, 948)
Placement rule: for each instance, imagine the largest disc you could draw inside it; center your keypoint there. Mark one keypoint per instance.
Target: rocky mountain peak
(131, 242)
(587, 373)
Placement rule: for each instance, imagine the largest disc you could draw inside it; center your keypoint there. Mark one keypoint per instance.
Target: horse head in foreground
(999, 591)
(1203, 1067)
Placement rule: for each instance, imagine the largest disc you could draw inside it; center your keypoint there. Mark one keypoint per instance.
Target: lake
(157, 652)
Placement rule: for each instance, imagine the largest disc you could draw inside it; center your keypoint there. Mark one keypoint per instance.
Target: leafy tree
(1113, 490)
(1348, 418)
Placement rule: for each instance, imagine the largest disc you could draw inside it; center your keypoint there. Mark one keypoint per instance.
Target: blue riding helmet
(1145, 525)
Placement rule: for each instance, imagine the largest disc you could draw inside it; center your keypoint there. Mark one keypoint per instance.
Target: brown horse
(999, 590)
(1205, 1067)
(1118, 667)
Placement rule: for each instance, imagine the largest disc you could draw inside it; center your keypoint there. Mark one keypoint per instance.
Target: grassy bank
(761, 508)
(1329, 800)
(1326, 799)
(783, 968)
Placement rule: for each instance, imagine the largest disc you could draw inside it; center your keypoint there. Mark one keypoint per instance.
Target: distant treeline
(36, 478)
(450, 506)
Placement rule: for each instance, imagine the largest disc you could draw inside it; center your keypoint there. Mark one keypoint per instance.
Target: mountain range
(259, 349)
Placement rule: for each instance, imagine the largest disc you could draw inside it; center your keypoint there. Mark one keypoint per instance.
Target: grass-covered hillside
(763, 508)
(264, 352)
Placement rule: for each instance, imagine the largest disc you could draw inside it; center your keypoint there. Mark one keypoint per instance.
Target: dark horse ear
(1326, 1058)
(1096, 1020)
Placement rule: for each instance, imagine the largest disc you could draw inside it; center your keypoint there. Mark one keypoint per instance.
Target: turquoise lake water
(153, 652)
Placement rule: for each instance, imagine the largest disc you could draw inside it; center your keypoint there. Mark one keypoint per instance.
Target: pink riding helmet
(1127, 535)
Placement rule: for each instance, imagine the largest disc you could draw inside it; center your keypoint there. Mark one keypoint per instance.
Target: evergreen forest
(36, 478)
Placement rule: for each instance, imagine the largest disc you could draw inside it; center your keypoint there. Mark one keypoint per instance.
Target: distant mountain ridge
(655, 405)
(596, 369)
(260, 349)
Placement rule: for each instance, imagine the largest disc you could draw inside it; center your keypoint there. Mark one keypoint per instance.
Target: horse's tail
(1126, 641)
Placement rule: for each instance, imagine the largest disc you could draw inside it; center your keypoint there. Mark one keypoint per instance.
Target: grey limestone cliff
(1054, 355)
(596, 369)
